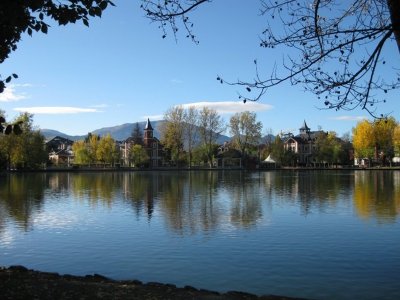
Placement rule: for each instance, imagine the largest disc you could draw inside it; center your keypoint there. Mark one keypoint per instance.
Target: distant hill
(119, 132)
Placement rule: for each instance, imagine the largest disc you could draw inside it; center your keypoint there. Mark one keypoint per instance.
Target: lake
(312, 234)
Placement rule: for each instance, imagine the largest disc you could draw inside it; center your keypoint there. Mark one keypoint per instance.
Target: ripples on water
(322, 235)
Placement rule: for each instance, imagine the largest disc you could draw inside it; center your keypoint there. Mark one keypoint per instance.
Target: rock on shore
(17, 282)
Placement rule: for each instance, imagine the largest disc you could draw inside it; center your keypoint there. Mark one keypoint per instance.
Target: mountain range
(119, 132)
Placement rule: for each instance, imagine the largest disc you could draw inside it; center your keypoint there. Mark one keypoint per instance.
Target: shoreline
(166, 169)
(18, 282)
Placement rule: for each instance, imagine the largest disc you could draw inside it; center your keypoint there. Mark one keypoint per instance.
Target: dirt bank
(17, 282)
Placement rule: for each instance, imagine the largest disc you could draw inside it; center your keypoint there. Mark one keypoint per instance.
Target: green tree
(25, 150)
(81, 153)
(106, 150)
(191, 131)
(92, 142)
(138, 155)
(278, 150)
(246, 131)
(328, 148)
(137, 134)
(334, 47)
(383, 136)
(172, 131)
(211, 126)
(22, 16)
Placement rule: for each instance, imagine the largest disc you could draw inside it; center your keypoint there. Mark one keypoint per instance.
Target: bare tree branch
(336, 48)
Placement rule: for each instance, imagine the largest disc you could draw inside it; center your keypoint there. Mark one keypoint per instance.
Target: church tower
(148, 134)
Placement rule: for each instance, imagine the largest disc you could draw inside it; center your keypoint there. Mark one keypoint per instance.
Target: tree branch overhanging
(340, 48)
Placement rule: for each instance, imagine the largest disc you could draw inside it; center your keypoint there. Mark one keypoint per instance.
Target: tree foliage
(375, 139)
(6, 128)
(107, 151)
(211, 126)
(25, 150)
(137, 134)
(172, 131)
(138, 155)
(96, 149)
(28, 16)
(329, 148)
(246, 131)
(336, 47)
(191, 131)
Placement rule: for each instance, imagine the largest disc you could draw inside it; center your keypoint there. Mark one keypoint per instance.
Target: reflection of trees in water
(192, 201)
(203, 200)
(21, 195)
(245, 197)
(377, 195)
(141, 189)
(189, 201)
(312, 189)
(96, 188)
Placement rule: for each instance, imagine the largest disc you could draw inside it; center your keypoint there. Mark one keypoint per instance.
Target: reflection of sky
(7, 236)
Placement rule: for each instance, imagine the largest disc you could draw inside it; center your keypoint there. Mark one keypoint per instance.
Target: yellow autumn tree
(363, 140)
(396, 140)
(383, 135)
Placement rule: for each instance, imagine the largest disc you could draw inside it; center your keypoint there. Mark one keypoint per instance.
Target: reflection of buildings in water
(141, 189)
(311, 190)
(59, 182)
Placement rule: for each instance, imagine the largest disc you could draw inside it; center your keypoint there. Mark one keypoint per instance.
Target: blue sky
(119, 70)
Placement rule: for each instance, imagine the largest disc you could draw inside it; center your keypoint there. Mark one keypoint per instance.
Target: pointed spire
(148, 125)
(304, 128)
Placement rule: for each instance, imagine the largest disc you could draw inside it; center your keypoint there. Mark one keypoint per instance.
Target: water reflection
(189, 202)
(377, 195)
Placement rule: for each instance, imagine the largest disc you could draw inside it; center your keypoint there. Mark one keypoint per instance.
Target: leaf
(248, 89)
(85, 21)
(103, 5)
(44, 28)
(8, 79)
(8, 129)
(17, 129)
(15, 75)
(30, 31)
(2, 120)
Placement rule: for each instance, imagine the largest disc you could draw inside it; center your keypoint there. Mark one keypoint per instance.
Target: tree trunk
(394, 9)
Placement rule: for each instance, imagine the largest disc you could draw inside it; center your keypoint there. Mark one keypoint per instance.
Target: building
(60, 151)
(303, 144)
(150, 143)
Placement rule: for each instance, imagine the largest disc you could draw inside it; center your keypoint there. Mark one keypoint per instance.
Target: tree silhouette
(337, 47)
(28, 16)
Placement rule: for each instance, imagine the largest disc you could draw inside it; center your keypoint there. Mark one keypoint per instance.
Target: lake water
(314, 234)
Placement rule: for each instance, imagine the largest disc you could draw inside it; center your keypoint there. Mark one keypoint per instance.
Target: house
(228, 157)
(60, 150)
(150, 143)
(303, 144)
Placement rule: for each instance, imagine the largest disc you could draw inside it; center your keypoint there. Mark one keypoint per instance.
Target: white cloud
(231, 107)
(348, 118)
(10, 95)
(51, 110)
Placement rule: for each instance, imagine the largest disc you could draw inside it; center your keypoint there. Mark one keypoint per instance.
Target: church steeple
(148, 125)
(304, 129)
(148, 133)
